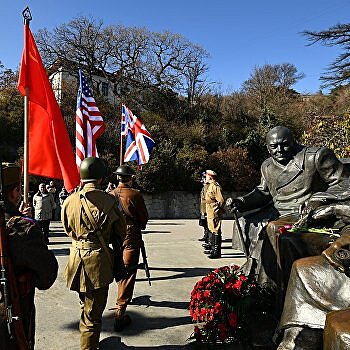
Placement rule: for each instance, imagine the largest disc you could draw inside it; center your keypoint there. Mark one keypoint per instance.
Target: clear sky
(239, 35)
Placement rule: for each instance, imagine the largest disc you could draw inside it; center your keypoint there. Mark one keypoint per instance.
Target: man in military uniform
(34, 266)
(214, 205)
(92, 219)
(203, 214)
(135, 212)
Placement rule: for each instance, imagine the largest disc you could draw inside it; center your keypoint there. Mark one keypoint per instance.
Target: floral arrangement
(223, 303)
(324, 230)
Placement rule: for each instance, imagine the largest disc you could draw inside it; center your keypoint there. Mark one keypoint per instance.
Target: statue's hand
(323, 212)
(328, 254)
(311, 213)
(320, 199)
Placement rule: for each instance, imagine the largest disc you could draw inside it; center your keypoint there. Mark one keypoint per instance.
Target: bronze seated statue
(304, 185)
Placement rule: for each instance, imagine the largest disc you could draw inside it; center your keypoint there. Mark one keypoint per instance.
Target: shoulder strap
(94, 224)
(120, 203)
(121, 207)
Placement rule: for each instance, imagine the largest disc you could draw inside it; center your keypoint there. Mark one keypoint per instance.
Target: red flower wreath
(220, 303)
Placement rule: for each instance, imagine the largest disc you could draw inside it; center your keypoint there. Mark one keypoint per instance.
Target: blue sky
(239, 35)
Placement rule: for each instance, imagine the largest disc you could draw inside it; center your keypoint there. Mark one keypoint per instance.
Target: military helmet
(92, 169)
(124, 170)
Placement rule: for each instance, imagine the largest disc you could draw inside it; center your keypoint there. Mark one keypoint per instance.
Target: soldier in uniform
(203, 214)
(135, 212)
(214, 208)
(92, 219)
(34, 266)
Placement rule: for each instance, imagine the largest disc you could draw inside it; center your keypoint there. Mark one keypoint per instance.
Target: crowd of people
(300, 186)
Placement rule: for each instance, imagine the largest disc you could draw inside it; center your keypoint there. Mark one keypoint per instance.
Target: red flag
(50, 150)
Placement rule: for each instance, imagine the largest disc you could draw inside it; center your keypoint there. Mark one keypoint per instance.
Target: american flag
(139, 142)
(88, 121)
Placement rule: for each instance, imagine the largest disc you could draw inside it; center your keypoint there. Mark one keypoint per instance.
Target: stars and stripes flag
(139, 142)
(89, 122)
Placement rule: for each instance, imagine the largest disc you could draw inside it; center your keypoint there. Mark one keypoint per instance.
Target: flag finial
(27, 15)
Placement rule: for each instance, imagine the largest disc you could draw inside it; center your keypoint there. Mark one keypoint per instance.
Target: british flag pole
(121, 136)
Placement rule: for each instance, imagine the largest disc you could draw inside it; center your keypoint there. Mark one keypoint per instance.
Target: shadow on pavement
(164, 223)
(139, 323)
(182, 273)
(112, 343)
(60, 251)
(59, 242)
(146, 301)
(57, 233)
(147, 231)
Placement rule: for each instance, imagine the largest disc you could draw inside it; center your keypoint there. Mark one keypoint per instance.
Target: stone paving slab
(160, 316)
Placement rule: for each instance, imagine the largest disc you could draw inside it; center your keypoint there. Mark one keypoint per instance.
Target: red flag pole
(27, 17)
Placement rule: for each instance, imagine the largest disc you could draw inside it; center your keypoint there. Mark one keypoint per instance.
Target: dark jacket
(135, 211)
(34, 266)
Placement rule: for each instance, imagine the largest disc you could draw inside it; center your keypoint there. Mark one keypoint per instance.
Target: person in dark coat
(132, 205)
(34, 266)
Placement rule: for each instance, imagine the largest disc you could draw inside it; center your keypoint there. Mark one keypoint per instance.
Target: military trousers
(214, 224)
(93, 304)
(45, 228)
(131, 254)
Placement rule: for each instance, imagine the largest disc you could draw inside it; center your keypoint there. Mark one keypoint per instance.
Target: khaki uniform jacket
(202, 206)
(214, 206)
(89, 269)
(136, 213)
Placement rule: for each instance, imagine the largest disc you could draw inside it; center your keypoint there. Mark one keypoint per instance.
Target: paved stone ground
(160, 316)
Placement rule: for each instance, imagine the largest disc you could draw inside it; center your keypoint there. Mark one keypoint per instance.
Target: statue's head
(281, 144)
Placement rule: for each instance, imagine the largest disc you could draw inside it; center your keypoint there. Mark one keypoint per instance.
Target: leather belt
(85, 245)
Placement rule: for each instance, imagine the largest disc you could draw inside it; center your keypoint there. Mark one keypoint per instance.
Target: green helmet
(124, 170)
(92, 169)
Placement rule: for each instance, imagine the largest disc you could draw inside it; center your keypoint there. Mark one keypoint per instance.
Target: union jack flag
(127, 118)
(88, 121)
(139, 142)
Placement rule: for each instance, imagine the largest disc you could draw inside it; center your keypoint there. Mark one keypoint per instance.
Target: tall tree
(129, 57)
(269, 89)
(338, 71)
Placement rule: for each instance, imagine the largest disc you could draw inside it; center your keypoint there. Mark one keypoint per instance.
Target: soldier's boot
(208, 246)
(216, 250)
(205, 236)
